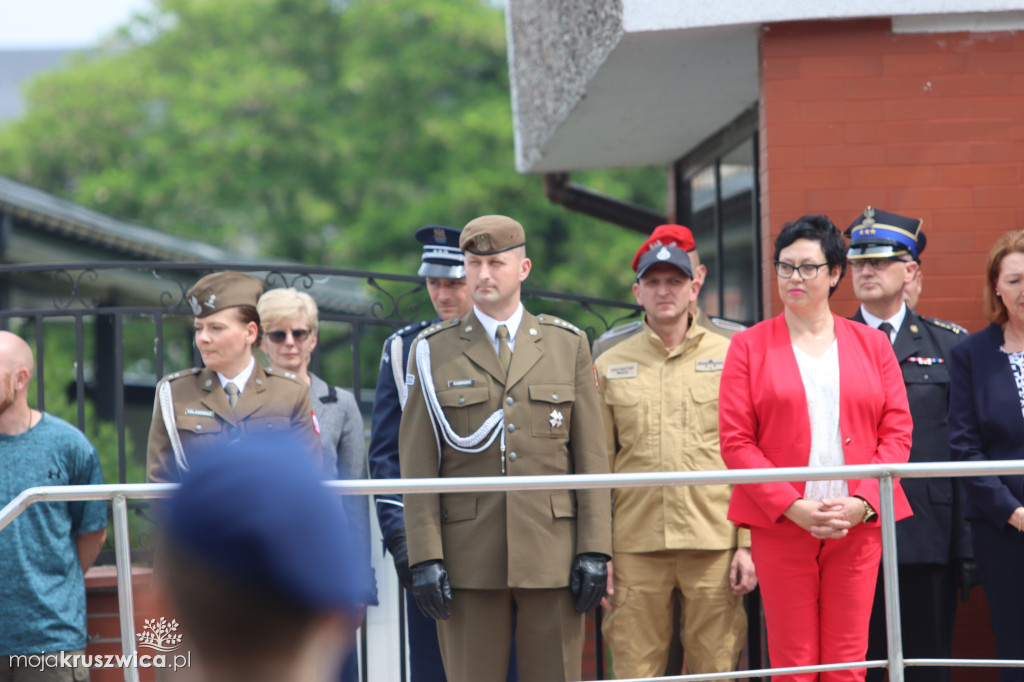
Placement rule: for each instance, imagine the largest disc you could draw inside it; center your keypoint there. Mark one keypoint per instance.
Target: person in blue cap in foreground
(261, 568)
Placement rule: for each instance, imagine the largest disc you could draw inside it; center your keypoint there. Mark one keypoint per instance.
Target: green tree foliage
(324, 131)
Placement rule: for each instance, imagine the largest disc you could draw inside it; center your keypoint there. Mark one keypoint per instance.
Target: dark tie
(888, 329)
(504, 352)
(232, 391)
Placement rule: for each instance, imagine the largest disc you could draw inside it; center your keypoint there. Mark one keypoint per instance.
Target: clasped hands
(828, 519)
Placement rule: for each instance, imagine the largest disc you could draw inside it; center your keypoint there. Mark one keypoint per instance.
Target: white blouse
(821, 384)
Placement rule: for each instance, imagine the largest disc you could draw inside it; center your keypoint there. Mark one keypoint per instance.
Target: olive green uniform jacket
(497, 540)
(272, 403)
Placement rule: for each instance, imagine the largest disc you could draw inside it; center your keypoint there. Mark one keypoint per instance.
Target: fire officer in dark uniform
(934, 545)
(501, 392)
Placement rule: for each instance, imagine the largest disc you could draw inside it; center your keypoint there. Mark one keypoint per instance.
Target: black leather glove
(967, 577)
(400, 554)
(588, 580)
(431, 589)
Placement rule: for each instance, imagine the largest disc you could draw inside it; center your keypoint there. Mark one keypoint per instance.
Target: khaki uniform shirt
(270, 403)
(661, 414)
(495, 540)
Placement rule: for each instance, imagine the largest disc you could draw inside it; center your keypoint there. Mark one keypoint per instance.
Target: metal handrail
(885, 473)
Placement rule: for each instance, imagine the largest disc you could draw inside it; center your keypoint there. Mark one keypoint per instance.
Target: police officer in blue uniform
(442, 266)
(934, 545)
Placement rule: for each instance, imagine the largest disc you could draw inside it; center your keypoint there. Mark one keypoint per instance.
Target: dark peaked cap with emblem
(880, 234)
(491, 234)
(219, 290)
(442, 257)
(672, 255)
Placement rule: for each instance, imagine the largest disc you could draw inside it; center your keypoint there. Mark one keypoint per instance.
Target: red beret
(666, 235)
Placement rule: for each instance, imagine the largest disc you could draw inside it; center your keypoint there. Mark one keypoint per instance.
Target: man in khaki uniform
(501, 392)
(659, 391)
(195, 401)
(679, 236)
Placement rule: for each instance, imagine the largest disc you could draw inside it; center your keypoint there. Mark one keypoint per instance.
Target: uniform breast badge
(556, 419)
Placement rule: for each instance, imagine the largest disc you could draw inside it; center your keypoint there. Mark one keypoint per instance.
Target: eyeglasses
(807, 270)
(278, 335)
(875, 263)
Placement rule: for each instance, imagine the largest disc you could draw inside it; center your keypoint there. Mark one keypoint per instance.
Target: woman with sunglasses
(808, 388)
(291, 319)
(204, 407)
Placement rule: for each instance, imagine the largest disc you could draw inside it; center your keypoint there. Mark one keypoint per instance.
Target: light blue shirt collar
(896, 320)
(241, 380)
(491, 325)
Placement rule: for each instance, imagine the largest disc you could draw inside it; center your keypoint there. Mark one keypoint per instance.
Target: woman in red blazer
(808, 388)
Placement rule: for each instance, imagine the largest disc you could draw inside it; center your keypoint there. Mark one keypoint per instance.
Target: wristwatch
(869, 513)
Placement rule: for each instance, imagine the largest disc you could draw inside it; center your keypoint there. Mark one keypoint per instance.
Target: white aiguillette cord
(487, 432)
(171, 424)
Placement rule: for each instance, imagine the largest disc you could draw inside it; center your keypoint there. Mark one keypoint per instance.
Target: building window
(716, 198)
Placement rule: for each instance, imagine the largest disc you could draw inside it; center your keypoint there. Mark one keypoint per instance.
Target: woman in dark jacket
(986, 422)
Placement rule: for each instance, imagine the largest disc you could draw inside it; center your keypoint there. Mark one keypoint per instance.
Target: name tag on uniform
(710, 365)
(459, 383)
(624, 371)
(199, 413)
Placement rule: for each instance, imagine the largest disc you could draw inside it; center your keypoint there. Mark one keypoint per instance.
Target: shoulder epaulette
(183, 373)
(283, 375)
(410, 328)
(943, 324)
(434, 328)
(620, 330)
(729, 325)
(558, 322)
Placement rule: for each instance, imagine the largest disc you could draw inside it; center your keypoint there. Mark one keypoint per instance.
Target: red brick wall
(925, 125)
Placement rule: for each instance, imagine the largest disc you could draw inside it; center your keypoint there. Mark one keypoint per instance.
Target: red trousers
(817, 597)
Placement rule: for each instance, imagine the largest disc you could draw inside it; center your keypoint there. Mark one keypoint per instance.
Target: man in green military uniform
(232, 395)
(501, 392)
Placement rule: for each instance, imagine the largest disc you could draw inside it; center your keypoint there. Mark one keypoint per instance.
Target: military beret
(881, 234)
(491, 234)
(258, 515)
(442, 257)
(219, 290)
(666, 235)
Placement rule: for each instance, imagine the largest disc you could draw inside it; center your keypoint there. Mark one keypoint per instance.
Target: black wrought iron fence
(104, 333)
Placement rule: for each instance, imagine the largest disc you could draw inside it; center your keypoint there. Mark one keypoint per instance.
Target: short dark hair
(817, 228)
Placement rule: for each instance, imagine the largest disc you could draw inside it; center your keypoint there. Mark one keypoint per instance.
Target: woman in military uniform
(232, 395)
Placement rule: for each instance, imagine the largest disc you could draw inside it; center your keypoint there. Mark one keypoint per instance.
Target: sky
(45, 24)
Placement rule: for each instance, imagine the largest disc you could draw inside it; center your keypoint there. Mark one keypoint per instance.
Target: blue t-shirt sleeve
(87, 516)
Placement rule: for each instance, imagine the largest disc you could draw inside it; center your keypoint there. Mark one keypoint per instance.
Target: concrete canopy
(624, 83)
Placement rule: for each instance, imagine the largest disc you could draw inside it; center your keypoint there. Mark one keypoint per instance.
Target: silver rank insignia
(194, 304)
(556, 419)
